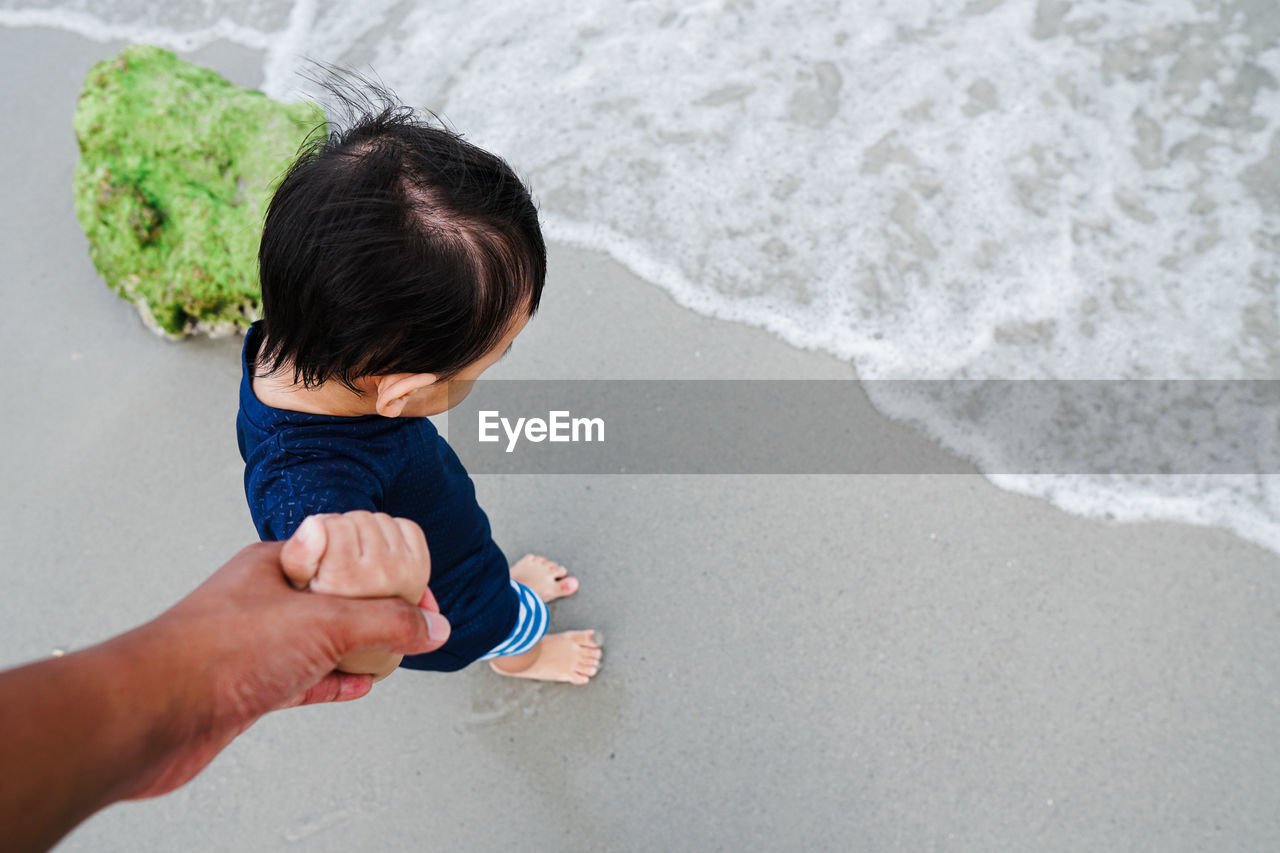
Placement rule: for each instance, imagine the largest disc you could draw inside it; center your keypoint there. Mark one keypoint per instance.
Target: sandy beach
(792, 663)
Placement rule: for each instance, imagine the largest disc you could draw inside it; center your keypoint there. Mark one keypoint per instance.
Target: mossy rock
(176, 168)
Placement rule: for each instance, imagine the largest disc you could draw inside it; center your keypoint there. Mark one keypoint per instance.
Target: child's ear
(394, 390)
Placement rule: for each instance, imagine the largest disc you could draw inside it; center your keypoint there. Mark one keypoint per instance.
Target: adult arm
(142, 713)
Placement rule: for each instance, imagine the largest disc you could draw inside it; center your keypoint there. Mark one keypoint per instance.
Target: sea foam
(1070, 189)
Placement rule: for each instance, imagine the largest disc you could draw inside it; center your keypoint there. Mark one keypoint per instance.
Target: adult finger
(334, 687)
(383, 623)
(428, 601)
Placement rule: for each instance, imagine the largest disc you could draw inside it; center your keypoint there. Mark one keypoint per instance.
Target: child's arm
(284, 495)
(283, 487)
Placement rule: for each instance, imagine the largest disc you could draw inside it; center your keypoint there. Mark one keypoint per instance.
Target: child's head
(393, 248)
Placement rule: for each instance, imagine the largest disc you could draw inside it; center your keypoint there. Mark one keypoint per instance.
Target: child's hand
(360, 555)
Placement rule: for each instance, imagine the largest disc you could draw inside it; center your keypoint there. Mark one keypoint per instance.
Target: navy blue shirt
(298, 464)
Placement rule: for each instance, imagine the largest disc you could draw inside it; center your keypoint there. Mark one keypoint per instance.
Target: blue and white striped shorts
(529, 629)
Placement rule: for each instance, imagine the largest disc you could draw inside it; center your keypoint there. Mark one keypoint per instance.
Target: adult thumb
(387, 623)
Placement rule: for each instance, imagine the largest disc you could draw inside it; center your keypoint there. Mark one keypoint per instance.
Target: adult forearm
(75, 733)
(143, 713)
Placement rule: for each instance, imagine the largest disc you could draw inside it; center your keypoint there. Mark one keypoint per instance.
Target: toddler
(398, 262)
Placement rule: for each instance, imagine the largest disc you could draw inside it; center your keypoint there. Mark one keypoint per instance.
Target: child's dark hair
(394, 246)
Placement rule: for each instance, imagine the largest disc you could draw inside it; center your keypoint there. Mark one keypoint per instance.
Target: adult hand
(142, 713)
(255, 645)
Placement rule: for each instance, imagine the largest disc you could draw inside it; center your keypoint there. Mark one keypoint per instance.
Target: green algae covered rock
(176, 168)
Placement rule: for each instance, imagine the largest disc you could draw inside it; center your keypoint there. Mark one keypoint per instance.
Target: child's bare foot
(549, 580)
(573, 656)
